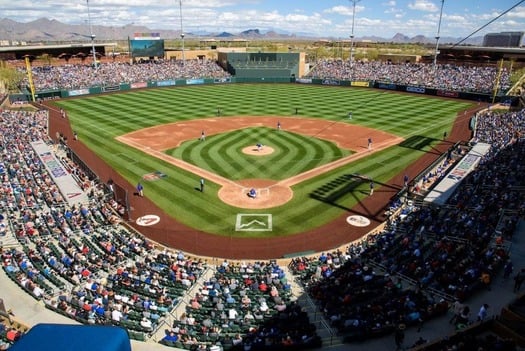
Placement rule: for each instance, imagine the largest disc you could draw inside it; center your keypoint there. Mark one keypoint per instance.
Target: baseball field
(313, 169)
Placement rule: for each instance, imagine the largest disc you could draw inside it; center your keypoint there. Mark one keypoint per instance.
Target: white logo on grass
(253, 222)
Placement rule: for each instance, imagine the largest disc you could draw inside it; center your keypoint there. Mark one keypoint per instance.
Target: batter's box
(253, 222)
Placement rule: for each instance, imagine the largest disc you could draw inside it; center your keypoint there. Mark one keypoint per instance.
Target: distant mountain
(400, 38)
(46, 30)
(421, 39)
(251, 33)
(224, 35)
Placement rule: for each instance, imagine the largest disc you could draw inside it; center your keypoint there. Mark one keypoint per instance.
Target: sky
(320, 18)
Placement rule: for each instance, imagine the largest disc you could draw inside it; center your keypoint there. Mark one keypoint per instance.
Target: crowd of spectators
(78, 76)
(245, 306)
(450, 77)
(84, 265)
(478, 79)
(427, 256)
(90, 268)
(25, 183)
(10, 330)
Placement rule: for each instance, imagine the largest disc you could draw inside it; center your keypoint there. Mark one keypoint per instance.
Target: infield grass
(99, 119)
(292, 154)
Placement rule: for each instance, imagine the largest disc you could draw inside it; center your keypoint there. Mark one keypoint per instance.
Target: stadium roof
(52, 47)
(504, 50)
(20, 51)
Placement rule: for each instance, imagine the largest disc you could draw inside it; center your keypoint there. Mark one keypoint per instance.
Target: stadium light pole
(354, 2)
(181, 33)
(436, 53)
(92, 37)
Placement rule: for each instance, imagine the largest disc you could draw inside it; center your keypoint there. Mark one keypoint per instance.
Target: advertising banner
(360, 84)
(194, 81)
(419, 90)
(111, 88)
(388, 86)
(304, 80)
(331, 82)
(78, 92)
(453, 94)
(138, 85)
(222, 80)
(166, 83)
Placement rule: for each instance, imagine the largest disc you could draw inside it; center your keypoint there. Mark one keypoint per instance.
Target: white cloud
(396, 12)
(344, 10)
(423, 5)
(373, 17)
(518, 12)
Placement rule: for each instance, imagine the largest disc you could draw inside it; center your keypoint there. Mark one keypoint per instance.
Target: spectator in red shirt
(263, 287)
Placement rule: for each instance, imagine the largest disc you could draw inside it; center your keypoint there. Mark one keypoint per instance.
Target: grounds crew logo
(248, 222)
(148, 220)
(358, 221)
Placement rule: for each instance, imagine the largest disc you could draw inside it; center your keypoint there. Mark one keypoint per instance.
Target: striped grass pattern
(99, 119)
(293, 154)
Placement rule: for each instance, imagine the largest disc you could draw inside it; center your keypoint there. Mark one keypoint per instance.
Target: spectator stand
(455, 78)
(11, 330)
(426, 180)
(428, 231)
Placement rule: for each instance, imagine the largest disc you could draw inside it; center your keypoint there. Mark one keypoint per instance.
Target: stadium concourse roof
(20, 51)
(467, 53)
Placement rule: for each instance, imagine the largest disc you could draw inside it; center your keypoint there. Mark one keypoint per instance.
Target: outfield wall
(94, 90)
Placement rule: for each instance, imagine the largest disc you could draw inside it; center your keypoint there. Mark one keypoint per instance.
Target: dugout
(65, 337)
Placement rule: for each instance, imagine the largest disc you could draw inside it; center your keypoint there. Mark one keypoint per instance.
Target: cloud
(344, 10)
(518, 12)
(423, 5)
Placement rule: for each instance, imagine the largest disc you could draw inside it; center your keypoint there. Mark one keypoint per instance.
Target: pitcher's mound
(269, 194)
(254, 150)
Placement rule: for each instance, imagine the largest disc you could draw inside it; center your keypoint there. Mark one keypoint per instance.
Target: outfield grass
(99, 119)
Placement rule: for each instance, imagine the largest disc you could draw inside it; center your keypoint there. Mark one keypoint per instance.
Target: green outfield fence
(271, 75)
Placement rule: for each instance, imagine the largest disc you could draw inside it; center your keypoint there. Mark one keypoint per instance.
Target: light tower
(181, 33)
(352, 32)
(92, 37)
(436, 53)
(352, 39)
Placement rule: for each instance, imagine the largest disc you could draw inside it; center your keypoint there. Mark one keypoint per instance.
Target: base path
(156, 140)
(332, 235)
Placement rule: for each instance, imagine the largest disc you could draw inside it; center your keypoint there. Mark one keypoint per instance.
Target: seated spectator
(146, 324)
(170, 336)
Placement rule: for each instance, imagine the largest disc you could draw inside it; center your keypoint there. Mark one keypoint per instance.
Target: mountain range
(46, 30)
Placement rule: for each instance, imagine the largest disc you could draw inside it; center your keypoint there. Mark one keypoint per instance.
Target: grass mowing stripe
(225, 157)
(420, 118)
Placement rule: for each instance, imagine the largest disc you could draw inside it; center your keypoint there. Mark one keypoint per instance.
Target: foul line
(314, 172)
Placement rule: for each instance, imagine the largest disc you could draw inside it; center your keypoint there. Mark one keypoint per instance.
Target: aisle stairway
(327, 334)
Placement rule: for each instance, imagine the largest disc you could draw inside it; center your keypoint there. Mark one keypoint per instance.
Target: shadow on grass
(421, 143)
(338, 187)
(346, 185)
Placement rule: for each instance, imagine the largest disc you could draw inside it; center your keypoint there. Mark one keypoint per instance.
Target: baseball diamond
(158, 130)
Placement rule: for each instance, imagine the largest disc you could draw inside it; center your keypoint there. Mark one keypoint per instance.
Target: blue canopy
(65, 337)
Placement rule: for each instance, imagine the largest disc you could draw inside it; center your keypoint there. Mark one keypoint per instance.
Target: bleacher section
(83, 262)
